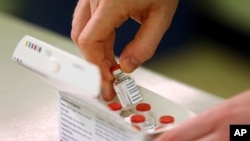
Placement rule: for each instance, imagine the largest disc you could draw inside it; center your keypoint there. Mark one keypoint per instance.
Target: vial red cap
(114, 68)
(143, 107)
(166, 119)
(115, 106)
(137, 118)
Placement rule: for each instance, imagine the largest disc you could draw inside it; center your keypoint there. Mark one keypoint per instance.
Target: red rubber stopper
(143, 107)
(115, 106)
(166, 119)
(114, 68)
(137, 118)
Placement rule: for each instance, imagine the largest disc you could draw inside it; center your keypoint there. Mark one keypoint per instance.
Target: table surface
(28, 106)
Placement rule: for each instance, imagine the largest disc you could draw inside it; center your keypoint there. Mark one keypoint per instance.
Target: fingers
(93, 6)
(216, 136)
(198, 130)
(153, 27)
(108, 92)
(94, 36)
(212, 124)
(104, 21)
(93, 30)
(96, 39)
(80, 18)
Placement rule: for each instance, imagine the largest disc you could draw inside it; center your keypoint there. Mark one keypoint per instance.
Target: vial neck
(120, 76)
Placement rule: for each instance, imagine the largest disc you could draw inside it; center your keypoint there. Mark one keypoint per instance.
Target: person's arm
(93, 30)
(213, 124)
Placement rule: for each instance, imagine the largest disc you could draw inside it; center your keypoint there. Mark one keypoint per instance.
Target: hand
(213, 125)
(93, 30)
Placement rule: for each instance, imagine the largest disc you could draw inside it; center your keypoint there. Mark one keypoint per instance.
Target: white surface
(28, 106)
(73, 113)
(62, 70)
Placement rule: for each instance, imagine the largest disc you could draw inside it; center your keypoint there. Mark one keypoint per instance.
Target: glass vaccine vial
(126, 88)
(165, 121)
(145, 110)
(137, 121)
(116, 107)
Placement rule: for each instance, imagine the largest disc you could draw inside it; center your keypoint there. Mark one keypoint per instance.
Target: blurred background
(207, 45)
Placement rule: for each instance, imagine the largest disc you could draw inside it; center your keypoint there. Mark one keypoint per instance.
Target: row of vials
(142, 118)
(131, 106)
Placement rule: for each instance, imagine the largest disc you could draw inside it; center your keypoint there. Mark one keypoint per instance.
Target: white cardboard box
(82, 116)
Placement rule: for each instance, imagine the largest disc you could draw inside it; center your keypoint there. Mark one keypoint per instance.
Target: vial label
(122, 98)
(126, 88)
(132, 91)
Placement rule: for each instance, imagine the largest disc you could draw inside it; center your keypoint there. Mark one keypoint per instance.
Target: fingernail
(130, 63)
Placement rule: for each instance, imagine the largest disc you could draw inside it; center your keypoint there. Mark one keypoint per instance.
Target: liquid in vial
(145, 110)
(126, 89)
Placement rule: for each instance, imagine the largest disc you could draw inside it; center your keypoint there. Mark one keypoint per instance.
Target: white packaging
(82, 116)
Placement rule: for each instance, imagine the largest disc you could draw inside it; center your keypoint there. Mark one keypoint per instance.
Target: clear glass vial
(137, 121)
(165, 121)
(145, 110)
(126, 88)
(116, 107)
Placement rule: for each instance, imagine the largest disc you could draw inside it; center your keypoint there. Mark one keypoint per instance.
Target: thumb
(143, 46)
